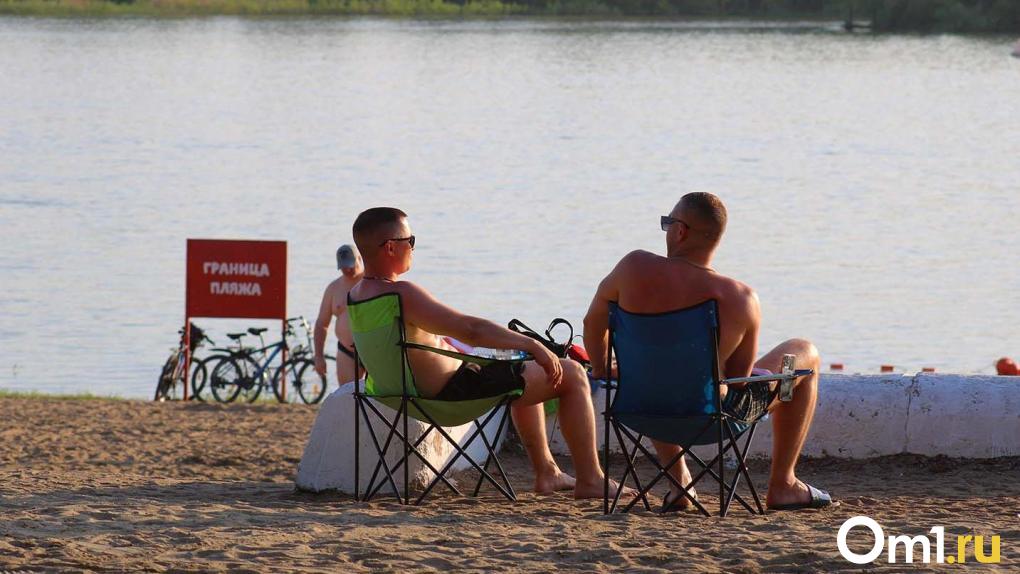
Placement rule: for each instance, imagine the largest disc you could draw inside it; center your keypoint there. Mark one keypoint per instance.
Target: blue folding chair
(667, 389)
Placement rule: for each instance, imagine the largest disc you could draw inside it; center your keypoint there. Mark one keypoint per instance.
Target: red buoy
(888, 368)
(1007, 366)
(836, 367)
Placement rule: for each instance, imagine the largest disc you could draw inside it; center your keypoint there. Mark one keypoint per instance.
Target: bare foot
(598, 490)
(554, 482)
(779, 495)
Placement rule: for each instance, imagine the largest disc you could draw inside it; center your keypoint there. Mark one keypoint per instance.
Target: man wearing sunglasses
(387, 245)
(644, 282)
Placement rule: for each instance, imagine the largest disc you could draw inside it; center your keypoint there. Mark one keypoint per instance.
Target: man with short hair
(643, 282)
(334, 304)
(387, 245)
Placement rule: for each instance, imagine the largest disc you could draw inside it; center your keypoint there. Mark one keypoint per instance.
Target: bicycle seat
(236, 336)
(257, 332)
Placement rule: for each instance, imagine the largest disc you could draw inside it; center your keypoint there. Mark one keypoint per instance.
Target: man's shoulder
(737, 290)
(640, 257)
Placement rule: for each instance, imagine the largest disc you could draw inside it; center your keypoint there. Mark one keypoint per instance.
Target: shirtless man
(334, 304)
(643, 282)
(387, 244)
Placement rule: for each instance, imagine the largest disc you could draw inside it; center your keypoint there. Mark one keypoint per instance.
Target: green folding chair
(380, 345)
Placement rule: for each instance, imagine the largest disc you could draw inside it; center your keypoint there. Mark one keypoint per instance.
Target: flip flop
(819, 499)
(680, 504)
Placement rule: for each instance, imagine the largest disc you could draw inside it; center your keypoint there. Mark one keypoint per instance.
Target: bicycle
(246, 370)
(300, 382)
(200, 372)
(170, 385)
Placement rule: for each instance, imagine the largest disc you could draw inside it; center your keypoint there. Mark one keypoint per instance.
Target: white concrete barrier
(328, 459)
(858, 416)
(861, 416)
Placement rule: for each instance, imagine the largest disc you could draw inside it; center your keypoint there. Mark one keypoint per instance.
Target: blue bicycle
(245, 372)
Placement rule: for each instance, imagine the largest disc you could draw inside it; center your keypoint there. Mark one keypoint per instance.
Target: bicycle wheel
(310, 385)
(199, 375)
(254, 379)
(300, 382)
(165, 383)
(226, 380)
(284, 378)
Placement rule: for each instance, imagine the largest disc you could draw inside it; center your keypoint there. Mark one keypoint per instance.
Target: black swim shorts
(749, 402)
(473, 381)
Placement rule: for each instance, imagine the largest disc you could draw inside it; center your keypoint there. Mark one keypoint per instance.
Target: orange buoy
(1007, 366)
(888, 368)
(836, 367)
(928, 370)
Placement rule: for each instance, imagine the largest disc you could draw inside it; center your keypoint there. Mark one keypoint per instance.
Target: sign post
(240, 279)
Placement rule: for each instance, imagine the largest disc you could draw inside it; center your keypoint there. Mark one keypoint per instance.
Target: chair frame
(365, 407)
(720, 420)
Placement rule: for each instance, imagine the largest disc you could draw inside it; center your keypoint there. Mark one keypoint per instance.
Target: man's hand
(549, 362)
(320, 365)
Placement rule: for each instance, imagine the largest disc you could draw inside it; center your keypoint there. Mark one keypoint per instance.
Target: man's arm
(321, 329)
(740, 363)
(596, 322)
(426, 312)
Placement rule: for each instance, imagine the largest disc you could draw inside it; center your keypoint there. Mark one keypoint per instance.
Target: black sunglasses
(665, 221)
(409, 240)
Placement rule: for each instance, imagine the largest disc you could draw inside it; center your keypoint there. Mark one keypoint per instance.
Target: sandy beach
(97, 485)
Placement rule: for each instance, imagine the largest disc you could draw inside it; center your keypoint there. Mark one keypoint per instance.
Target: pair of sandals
(680, 503)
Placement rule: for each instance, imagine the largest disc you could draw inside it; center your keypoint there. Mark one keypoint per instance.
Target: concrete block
(328, 459)
(861, 416)
(966, 416)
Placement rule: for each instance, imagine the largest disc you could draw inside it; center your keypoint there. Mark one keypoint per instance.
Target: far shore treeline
(929, 16)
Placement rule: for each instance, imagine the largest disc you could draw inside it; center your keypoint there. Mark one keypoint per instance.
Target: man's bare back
(431, 370)
(644, 282)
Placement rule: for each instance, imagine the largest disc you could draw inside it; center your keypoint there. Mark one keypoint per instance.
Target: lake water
(873, 183)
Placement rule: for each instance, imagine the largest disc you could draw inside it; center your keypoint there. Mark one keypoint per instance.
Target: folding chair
(380, 345)
(668, 389)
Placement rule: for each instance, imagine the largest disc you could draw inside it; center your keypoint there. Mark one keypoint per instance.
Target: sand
(90, 485)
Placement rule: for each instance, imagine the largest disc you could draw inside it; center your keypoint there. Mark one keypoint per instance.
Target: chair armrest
(768, 378)
(463, 356)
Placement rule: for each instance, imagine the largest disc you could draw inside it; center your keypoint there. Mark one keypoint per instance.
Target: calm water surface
(873, 183)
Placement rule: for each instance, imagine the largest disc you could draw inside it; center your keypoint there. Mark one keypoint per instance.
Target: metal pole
(187, 353)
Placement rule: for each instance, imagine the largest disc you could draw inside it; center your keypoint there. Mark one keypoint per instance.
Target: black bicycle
(202, 365)
(170, 386)
(245, 373)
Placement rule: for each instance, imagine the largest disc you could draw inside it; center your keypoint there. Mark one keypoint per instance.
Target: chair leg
(371, 492)
(629, 471)
(381, 451)
(722, 470)
(742, 467)
(374, 488)
(706, 468)
(491, 448)
(663, 471)
(357, 446)
(407, 456)
(461, 452)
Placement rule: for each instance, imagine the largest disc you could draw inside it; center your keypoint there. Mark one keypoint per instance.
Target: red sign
(236, 279)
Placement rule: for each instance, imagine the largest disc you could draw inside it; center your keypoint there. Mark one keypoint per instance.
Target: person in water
(384, 237)
(334, 304)
(644, 282)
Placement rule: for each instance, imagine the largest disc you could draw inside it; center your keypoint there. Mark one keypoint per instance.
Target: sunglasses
(409, 240)
(665, 221)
